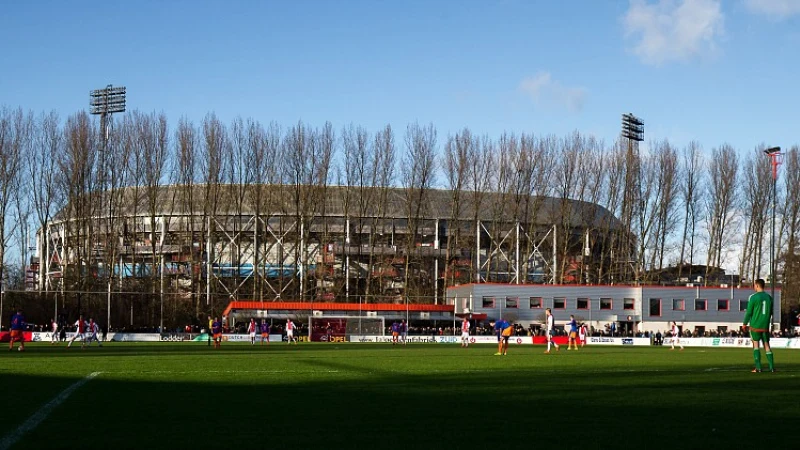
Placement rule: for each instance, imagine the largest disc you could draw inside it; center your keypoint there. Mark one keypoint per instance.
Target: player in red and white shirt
(465, 332)
(91, 331)
(676, 336)
(53, 332)
(582, 334)
(290, 332)
(80, 332)
(251, 328)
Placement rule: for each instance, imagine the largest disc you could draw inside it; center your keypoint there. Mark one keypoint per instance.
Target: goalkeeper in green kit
(759, 318)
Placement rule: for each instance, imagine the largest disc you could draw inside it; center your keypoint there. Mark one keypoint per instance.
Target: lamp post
(775, 159)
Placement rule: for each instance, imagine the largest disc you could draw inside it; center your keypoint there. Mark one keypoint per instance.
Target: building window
(606, 303)
(488, 302)
(559, 303)
(583, 303)
(742, 305)
(678, 304)
(627, 303)
(655, 307)
(700, 304)
(723, 304)
(512, 302)
(536, 302)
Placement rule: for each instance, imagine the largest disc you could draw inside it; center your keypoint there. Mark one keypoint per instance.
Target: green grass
(353, 396)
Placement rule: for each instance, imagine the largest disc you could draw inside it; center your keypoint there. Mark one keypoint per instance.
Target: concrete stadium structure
(326, 243)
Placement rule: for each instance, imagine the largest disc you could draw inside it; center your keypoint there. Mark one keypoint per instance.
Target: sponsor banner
(5, 336)
(133, 337)
(491, 339)
(203, 337)
(176, 337)
(246, 337)
(734, 342)
(603, 340)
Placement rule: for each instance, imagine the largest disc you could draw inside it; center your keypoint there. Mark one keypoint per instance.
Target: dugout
(346, 318)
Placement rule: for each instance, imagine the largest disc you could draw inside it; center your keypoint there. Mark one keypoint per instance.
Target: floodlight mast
(105, 102)
(775, 159)
(632, 131)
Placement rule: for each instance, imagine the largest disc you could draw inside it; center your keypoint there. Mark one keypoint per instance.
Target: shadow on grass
(312, 401)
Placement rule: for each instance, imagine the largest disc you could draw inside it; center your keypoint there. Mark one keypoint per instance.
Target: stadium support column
(347, 262)
(208, 261)
(436, 265)
(555, 255)
(516, 256)
(302, 256)
(775, 158)
(478, 251)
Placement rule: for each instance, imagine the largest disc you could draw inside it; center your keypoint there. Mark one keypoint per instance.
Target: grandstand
(271, 242)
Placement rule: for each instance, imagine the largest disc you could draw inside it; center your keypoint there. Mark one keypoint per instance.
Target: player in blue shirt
(264, 331)
(573, 333)
(503, 330)
(216, 329)
(17, 330)
(395, 332)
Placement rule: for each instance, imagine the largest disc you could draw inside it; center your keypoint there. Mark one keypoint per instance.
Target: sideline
(38, 417)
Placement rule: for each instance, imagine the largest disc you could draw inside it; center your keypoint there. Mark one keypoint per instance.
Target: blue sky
(706, 70)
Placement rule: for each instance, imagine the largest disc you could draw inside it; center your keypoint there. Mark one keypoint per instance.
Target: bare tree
(722, 203)
(456, 162)
(382, 178)
(184, 176)
(212, 160)
(692, 172)
(80, 180)
(666, 196)
(15, 139)
(417, 179)
(153, 136)
(480, 168)
(46, 197)
(755, 191)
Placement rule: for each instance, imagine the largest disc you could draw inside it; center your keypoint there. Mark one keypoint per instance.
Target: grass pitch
(353, 396)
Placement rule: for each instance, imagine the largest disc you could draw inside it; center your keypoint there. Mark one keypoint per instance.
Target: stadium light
(775, 159)
(105, 102)
(633, 131)
(632, 128)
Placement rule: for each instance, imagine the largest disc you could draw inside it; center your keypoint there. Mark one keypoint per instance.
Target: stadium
(330, 244)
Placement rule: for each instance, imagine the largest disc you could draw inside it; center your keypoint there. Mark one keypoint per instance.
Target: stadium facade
(331, 243)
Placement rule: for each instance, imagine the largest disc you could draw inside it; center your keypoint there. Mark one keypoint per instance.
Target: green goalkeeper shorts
(762, 336)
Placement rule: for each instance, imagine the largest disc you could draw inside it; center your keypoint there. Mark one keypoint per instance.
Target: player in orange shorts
(216, 328)
(17, 328)
(264, 331)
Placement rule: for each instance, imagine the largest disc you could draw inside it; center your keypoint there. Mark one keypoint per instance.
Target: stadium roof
(340, 201)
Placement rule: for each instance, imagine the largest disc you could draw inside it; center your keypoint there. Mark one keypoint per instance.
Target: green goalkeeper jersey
(759, 311)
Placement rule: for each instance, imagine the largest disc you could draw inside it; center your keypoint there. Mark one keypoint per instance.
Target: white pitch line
(38, 417)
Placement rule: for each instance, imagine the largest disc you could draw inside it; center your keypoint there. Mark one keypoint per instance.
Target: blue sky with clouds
(707, 70)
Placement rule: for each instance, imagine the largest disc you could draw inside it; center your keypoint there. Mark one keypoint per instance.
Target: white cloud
(673, 30)
(778, 9)
(543, 90)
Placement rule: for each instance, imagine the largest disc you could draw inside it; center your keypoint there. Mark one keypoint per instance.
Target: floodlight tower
(775, 159)
(105, 102)
(632, 131)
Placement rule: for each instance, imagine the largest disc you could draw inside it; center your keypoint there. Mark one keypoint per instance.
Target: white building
(629, 308)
